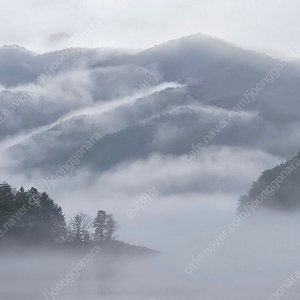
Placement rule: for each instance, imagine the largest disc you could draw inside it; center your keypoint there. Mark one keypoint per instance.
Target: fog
(134, 171)
(256, 258)
(143, 24)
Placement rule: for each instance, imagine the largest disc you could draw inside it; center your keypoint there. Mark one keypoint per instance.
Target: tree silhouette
(80, 226)
(111, 228)
(32, 216)
(29, 215)
(100, 225)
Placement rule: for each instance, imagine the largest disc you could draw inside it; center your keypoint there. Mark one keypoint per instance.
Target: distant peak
(17, 48)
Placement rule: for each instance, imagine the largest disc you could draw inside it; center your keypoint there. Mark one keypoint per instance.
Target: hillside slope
(276, 189)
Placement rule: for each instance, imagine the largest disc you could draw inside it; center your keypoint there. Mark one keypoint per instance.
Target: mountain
(199, 80)
(194, 57)
(19, 66)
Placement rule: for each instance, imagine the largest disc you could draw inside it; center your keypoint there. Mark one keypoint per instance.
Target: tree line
(103, 227)
(33, 216)
(276, 189)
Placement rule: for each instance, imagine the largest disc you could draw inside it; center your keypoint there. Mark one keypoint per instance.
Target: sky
(270, 25)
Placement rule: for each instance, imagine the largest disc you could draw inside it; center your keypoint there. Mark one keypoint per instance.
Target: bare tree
(80, 226)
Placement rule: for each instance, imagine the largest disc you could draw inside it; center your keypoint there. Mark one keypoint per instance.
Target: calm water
(252, 263)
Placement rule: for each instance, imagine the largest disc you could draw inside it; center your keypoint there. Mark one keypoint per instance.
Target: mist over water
(255, 259)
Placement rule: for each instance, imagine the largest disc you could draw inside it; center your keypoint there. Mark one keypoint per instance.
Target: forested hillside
(277, 188)
(32, 216)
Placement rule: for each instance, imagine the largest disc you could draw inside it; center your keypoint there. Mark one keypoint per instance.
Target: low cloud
(58, 37)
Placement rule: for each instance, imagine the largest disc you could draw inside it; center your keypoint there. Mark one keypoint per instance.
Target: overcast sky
(53, 24)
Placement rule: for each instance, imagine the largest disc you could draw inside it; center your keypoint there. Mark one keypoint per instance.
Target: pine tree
(111, 228)
(51, 219)
(7, 205)
(27, 225)
(100, 225)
